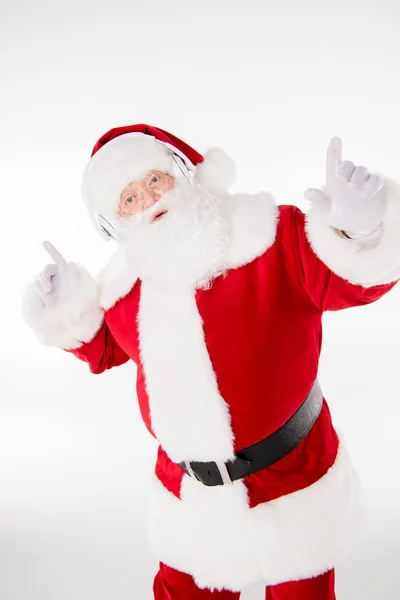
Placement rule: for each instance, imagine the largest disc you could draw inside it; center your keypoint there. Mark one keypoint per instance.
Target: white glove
(58, 280)
(356, 198)
(61, 305)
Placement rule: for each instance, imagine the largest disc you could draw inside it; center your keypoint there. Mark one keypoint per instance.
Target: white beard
(187, 247)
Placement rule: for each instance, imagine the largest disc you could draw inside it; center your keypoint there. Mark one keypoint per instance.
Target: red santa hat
(125, 154)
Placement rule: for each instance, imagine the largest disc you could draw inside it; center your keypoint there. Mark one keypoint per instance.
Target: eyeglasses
(142, 194)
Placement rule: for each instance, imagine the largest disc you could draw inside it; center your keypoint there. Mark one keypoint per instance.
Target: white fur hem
(72, 322)
(362, 263)
(213, 535)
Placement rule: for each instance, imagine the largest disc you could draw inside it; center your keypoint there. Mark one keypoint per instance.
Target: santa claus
(218, 299)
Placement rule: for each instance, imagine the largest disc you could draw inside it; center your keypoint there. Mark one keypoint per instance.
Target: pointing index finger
(55, 254)
(333, 156)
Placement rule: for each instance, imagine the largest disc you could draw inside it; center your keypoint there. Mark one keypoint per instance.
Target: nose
(148, 198)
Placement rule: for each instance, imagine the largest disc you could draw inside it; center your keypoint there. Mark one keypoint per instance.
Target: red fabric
(262, 326)
(159, 134)
(307, 463)
(169, 472)
(170, 584)
(317, 588)
(102, 352)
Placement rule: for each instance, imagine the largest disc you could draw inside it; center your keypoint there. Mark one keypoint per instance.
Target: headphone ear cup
(108, 229)
(106, 235)
(183, 167)
(104, 227)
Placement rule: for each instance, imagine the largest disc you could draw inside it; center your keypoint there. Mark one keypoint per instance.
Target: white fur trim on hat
(217, 171)
(124, 159)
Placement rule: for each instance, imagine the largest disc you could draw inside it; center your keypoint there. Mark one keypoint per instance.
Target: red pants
(170, 584)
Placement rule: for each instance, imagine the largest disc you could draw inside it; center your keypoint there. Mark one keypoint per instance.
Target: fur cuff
(72, 322)
(360, 262)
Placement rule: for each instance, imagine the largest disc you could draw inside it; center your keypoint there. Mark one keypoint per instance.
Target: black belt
(266, 452)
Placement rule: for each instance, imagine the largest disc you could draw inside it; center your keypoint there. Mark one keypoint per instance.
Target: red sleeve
(325, 289)
(102, 352)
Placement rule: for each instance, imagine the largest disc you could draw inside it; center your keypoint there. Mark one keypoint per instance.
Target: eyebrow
(125, 194)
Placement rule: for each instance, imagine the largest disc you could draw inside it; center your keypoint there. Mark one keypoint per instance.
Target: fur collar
(253, 219)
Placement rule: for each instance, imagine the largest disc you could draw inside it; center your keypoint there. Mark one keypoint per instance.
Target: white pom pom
(217, 171)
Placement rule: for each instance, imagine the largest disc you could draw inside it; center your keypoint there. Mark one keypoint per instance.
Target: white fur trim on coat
(217, 171)
(188, 415)
(213, 535)
(253, 224)
(71, 322)
(362, 263)
(115, 280)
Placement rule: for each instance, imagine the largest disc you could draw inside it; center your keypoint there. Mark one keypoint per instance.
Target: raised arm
(61, 306)
(354, 224)
(347, 247)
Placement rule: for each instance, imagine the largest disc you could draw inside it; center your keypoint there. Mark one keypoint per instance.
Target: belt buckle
(209, 473)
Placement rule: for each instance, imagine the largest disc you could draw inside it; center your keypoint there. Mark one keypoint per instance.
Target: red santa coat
(220, 369)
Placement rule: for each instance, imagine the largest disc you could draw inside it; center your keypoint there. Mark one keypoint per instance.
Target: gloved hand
(355, 198)
(58, 280)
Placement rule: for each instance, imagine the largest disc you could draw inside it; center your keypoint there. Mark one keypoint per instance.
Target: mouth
(159, 215)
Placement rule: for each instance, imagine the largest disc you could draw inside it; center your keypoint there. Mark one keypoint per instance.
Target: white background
(269, 81)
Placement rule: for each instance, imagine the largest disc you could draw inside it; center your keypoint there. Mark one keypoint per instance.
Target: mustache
(187, 246)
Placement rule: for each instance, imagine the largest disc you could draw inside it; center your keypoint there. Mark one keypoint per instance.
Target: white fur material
(115, 280)
(188, 415)
(122, 160)
(213, 535)
(253, 226)
(362, 263)
(217, 171)
(70, 323)
(253, 223)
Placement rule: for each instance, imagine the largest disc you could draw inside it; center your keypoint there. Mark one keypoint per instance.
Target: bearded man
(218, 299)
